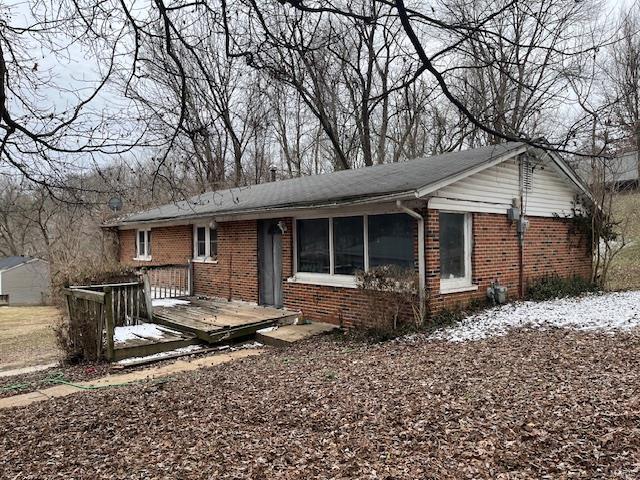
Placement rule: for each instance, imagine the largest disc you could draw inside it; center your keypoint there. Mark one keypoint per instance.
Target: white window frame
(452, 285)
(143, 256)
(332, 279)
(207, 258)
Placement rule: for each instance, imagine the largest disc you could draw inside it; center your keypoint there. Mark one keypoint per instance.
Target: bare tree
(623, 80)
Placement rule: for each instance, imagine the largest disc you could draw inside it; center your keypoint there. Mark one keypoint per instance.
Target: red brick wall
(169, 245)
(338, 305)
(341, 306)
(552, 246)
(235, 275)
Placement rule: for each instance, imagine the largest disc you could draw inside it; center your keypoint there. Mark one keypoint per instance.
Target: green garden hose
(58, 378)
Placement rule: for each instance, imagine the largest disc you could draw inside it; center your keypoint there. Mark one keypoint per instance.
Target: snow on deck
(162, 355)
(144, 330)
(168, 302)
(607, 313)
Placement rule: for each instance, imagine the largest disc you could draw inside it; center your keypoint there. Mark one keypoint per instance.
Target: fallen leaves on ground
(553, 404)
(29, 382)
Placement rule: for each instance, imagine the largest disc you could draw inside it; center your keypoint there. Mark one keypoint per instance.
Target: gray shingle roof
(623, 168)
(330, 188)
(10, 262)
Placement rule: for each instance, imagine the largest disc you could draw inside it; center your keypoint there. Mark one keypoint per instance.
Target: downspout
(421, 259)
(520, 233)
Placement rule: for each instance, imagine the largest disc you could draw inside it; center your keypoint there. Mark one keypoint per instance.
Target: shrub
(554, 286)
(393, 295)
(116, 273)
(450, 316)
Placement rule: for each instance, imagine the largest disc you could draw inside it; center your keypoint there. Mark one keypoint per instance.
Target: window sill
(340, 281)
(204, 260)
(463, 288)
(142, 259)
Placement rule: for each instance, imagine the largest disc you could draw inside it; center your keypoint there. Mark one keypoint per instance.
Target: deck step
(288, 334)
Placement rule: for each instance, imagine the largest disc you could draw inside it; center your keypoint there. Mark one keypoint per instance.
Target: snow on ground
(267, 329)
(146, 330)
(161, 355)
(168, 302)
(186, 351)
(607, 313)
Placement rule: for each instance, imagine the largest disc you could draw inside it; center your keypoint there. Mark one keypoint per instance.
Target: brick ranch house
(297, 243)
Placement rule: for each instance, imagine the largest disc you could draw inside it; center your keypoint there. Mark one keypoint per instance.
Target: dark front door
(270, 262)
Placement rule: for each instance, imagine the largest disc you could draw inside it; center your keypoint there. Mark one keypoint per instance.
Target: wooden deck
(141, 346)
(216, 320)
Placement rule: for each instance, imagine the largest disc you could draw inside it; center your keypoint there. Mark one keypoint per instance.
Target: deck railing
(88, 323)
(96, 310)
(168, 281)
(128, 301)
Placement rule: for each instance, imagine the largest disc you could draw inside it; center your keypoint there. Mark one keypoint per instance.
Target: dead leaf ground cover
(555, 404)
(29, 382)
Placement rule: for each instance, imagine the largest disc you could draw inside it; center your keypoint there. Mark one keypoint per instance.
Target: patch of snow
(247, 345)
(159, 292)
(267, 329)
(606, 313)
(161, 355)
(168, 302)
(146, 330)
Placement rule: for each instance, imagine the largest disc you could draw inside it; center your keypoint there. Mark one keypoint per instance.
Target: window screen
(313, 245)
(452, 246)
(142, 237)
(213, 242)
(391, 240)
(201, 242)
(348, 245)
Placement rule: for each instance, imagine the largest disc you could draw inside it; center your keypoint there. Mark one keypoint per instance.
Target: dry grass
(625, 269)
(27, 337)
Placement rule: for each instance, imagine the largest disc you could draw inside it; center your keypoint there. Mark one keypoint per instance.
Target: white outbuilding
(24, 281)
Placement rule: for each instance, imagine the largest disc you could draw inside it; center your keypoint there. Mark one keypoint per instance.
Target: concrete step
(286, 335)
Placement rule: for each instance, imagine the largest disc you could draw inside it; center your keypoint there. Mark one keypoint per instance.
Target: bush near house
(393, 298)
(554, 286)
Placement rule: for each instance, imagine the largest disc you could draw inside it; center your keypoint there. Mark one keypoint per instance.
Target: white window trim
(464, 284)
(207, 258)
(325, 279)
(147, 236)
(331, 279)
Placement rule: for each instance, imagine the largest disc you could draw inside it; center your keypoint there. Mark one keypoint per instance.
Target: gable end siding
(492, 191)
(27, 284)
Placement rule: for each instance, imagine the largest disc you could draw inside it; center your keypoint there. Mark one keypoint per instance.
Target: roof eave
(273, 211)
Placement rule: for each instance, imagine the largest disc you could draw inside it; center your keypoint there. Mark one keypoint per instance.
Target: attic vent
(526, 173)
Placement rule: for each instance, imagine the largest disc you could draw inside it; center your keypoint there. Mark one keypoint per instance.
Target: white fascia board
(427, 189)
(561, 164)
(285, 211)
